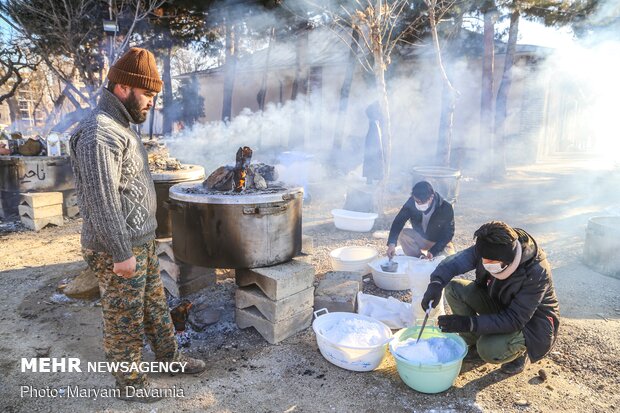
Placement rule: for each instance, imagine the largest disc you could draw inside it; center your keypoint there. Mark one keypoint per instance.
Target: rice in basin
(429, 351)
(355, 333)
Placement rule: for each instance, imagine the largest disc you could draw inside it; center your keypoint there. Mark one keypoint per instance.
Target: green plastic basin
(427, 377)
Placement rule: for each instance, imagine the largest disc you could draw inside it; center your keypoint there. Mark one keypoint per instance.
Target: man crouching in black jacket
(510, 312)
(432, 221)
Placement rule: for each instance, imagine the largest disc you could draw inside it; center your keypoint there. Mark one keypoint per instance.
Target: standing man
(510, 312)
(432, 221)
(116, 197)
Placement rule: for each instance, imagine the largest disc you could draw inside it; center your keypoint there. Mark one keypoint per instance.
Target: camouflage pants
(132, 308)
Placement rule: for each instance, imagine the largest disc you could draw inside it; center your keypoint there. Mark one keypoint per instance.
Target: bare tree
(14, 64)
(63, 32)
(449, 92)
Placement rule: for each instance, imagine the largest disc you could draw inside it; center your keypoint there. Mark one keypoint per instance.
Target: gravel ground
(552, 200)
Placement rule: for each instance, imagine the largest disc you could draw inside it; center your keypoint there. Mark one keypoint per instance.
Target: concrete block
(337, 277)
(274, 311)
(166, 265)
(40, 212)
(337, 295)
(40, 199)
(273, 332)
(170, 285)
(39, 223)
(164, 247)
(72, 211)
(278, 281)
(70, 199)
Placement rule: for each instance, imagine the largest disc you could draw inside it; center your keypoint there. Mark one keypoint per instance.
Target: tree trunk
(168, 103)
(486, 100)
(14, 113)
(449, 95)
(501, 105)
(346, 90)
(297, 134)
(229, 76)
(70, 119)
(262, 93)
(300, 61)
(152, 118)
(446, 123)
(386, 134)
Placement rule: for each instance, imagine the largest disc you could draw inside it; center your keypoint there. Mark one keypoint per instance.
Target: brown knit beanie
(136, 68)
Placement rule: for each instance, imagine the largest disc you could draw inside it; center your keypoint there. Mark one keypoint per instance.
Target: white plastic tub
(354, 221)
(391, 281)
(354, 259)
(362, 358)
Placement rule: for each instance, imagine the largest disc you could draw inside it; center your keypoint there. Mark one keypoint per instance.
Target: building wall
(415, 105)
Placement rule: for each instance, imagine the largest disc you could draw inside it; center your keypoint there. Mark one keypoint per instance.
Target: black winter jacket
(440, 227)
(527, 298)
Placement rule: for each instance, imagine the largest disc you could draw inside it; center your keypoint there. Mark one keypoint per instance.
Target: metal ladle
(391, 266)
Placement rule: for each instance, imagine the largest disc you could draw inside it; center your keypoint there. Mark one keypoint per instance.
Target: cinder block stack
(277, 301)
(181, 279)
(70, 205)
(40, 209)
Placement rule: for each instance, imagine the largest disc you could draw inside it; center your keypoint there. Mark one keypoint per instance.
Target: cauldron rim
(178, 193)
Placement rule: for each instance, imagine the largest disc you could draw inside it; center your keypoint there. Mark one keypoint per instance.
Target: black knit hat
(497, 252)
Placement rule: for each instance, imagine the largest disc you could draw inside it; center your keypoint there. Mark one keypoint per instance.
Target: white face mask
(494, 268)
(422, 207)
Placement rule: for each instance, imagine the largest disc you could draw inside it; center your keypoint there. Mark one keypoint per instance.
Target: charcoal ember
(266, 171)
(220, 180)
(259, 181)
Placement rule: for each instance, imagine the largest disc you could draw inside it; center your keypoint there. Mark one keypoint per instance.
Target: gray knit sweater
(115, 189)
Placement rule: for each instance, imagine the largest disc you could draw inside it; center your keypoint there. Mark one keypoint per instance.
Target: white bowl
(352, 258)
(362, 358)
(354, 221)
(391, 281)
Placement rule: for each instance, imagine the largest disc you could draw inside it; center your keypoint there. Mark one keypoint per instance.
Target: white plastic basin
(354, 221)
(352, 258)
(391, 281)
(355, 358)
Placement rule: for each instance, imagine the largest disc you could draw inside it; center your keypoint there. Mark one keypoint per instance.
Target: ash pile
(159, 157)
(243, 177)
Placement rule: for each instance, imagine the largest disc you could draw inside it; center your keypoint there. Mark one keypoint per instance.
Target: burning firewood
(220, 180)
(243, 159)
(242, 176)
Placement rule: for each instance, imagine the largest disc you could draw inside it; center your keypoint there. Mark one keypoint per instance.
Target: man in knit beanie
(116, 197)
(510, 312)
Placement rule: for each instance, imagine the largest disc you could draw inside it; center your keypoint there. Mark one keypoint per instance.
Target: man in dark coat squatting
(510, 312)
(432, 221)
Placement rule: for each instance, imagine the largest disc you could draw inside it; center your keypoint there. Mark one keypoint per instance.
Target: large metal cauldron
(163, 181)
(32, 174)
(600, 250)
(235, 231)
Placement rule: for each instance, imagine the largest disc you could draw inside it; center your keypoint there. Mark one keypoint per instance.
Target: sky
(535, 33)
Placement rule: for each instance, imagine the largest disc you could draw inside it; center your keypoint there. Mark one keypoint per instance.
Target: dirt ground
(552, 200)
